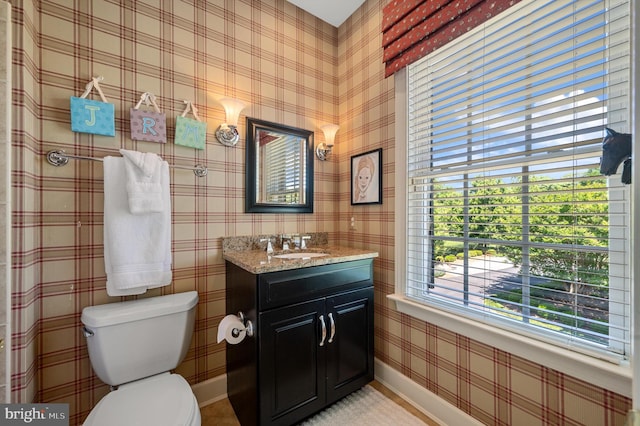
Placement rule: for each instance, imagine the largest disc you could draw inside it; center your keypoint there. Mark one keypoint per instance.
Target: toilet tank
(131, 340)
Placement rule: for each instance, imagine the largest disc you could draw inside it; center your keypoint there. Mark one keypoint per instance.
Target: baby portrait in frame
(366, 178)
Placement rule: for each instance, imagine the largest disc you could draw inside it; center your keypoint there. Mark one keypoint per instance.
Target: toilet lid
(165, 399)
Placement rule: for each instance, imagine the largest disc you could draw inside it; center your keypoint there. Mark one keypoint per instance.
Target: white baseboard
(211, 390)
(424, 400)
(436, 408)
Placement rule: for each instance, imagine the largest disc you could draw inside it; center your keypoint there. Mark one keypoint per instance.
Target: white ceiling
(334, 12)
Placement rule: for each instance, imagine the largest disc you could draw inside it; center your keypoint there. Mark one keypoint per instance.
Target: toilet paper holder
(248, 325)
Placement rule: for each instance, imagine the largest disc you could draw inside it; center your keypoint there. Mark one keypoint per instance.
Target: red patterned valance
(414, 28)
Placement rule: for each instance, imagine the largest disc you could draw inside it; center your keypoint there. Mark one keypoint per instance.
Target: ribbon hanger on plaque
(148, 125)
(190, 132)
(89, 116)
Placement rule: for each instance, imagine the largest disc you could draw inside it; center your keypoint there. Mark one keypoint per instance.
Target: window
(284, 171)
(508, 219)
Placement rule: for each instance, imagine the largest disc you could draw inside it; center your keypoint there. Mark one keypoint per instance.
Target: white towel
(137, 248)
(143, 181)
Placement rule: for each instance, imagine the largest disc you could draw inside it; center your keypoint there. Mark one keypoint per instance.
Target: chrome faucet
(269, 246)
(294, 241)
(290, 241)
(303, 241)
(286, 241)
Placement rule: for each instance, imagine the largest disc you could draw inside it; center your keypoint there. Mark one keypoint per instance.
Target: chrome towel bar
(57, 157)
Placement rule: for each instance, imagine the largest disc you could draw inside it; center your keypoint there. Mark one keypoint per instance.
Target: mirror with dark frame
(279, 177)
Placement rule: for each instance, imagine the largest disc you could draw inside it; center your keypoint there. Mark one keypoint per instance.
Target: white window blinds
(509, 220)
(284, 170)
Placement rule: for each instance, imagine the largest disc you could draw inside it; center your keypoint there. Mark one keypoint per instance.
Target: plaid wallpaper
(5, 213)
(290, 68)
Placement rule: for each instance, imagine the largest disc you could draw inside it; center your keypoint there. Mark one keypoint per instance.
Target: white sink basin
(299, 255)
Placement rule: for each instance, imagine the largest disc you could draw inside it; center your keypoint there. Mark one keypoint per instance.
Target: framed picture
(366, 178)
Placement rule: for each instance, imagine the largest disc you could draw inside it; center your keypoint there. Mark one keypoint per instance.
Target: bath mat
(366, 407)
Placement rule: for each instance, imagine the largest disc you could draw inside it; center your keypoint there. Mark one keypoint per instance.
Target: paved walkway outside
(477, 265)
(484, 274)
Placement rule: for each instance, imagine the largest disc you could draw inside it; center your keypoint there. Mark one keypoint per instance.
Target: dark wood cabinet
(292, 363)
(350, 355)
(313, 343)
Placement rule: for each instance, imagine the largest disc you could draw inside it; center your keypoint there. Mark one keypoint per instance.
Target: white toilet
(133, 345)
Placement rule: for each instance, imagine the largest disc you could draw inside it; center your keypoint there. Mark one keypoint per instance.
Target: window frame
(611, 374)
(462, 95)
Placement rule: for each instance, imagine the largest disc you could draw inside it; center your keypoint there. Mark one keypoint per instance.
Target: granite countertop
(259, 262)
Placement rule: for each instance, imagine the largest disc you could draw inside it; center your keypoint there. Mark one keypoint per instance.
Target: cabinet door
(292, 368)
(350, 351)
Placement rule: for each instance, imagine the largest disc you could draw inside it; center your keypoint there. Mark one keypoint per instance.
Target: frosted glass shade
(232, 107)
(330, 131)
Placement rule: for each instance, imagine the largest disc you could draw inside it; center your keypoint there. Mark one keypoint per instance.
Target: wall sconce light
(227, 132)
(324, 149)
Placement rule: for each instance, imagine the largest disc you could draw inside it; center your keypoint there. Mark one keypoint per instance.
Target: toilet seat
(165, 399)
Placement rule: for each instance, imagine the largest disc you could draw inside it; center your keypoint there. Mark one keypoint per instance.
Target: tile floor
(221, 413)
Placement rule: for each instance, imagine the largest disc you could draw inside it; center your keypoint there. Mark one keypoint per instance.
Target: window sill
(614, 377)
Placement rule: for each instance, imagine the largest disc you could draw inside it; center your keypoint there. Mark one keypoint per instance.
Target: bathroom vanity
(313, 332)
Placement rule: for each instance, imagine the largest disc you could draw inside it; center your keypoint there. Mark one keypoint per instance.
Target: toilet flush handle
(87, 332)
